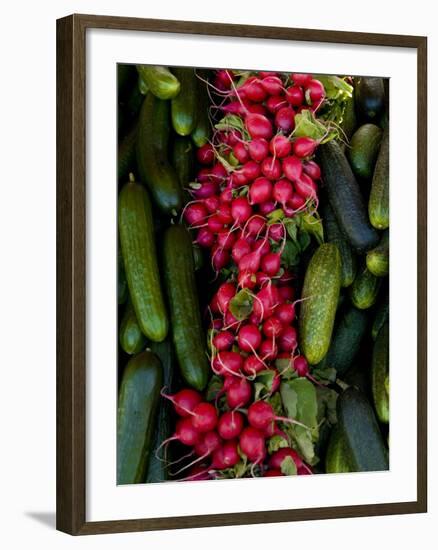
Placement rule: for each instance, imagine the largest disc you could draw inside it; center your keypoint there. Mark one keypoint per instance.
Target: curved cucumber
(380, 374)
(378, 205)
(365, 288)
(378, 258)
(320, 295)
(137, 406)
(140, 260)
(364, 148)
(183, 160)
(349, 121)
(152, 150)
(188, 335)
(202, 131)
(345, 198)
(159, 80)
(184, 105)
(131, 337)
(337, 458)
(335, 236)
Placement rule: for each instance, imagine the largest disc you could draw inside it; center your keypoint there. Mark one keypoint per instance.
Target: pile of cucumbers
(161, 336)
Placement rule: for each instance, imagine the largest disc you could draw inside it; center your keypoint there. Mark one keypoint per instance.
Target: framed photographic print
(240, 337)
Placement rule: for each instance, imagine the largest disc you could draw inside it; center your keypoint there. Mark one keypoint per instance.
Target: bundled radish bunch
(256, 176)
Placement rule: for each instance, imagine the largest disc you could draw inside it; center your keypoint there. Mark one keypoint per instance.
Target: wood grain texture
(71, 269)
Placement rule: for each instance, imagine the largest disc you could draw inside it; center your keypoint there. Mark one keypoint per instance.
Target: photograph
(252, 273)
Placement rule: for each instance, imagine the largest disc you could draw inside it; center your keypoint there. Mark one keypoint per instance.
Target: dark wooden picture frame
(71, 270)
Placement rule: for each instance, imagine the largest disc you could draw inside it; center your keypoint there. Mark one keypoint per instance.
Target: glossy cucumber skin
(378, 205)
(370, 97)
(365, 288)
(184, 105)
(187, 331)
(377, 259)
(337, 460)
(347, 337)
(140, 260)
(334, 235)
(160, 81)
(349, 120)
(345, 198)
(137, 406)
(320, 295)
(131, 338)
(152, 155)
(183, 160)
(380, 374)
(202, 131)
(364, 148)
(122, 285)
(365, 447)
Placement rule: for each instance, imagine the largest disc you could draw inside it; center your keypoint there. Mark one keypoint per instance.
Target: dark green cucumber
(345, 198)
(365, 288)
(160, 81)
(152, 150)
(183, 160)
(378, 258)
(320, 295)
(364, 148)
(122, 285)
(337, 459)
(131, 337)
(188, 335)
(137, 407)
(349, 121)
(358, 376)
(184, 106)
(140, 260)
(380, 318)
(378, 205)
(202, 131)
(380, 374)
(198, 257)
(347, 337)
(365, 448)
(370, 97)
(157, 470)
(126, 153)
(142, 86)
(334, 235)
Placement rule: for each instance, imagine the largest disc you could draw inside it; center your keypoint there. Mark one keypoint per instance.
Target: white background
(27, 218)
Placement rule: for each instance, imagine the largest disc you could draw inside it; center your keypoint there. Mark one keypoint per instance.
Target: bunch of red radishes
(255, 175)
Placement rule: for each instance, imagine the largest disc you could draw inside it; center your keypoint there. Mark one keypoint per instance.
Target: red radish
(232, 137)
(216, 324)
(223, 212)
(184, 401)
(258, 126)
(268, 350)
(276, 231)
(239, 393)
(227, 363)
(246, 279)
(252, 365)
(267, 207)
(285, 119)
(287, 341)
(285, 313)
(223, 340)
(238, 179)
(286, 276)
(203, 175)
(195, 213)
(225, 78)
(275, 102)
(234, 108)
(265, 301)
(207, 444)
(256, 108)
(301, 79)
(185, 433)
(263, 74)
(197, 473)
(240, 151)
(249, 338)
(226, 195)
(205, 238)
(230, 321)
(276, 459)
(271, 168)
(241, 210)
(252, 444)
(258, 149)
(225, 239)
(204, 417)
(295, 95)
(272, 327)
(304, 470)
(262, 246)
(251, 170)
(207, 189)
(240, 249)
(250, 262)
(315, 91)
(225, 456)
(270, 263)
(292, 168)
(218, 173)
(296, 202)
(280, 146)
(255, 91)
(301, 366)
(260, 191)
(312, 169)
(212, 204)
(215, 224)
(283, 191)
(286, 292)
(224, 294)
(230, 425)
(214, 306)
(272, 85)
(261, 416)
(219, 257)
(262, 279)
(304, 147)
(306, 187)
(255, 225)
(205, 154)
(272, 473)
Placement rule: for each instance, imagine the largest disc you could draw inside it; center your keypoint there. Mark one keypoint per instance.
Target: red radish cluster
(253, 175)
